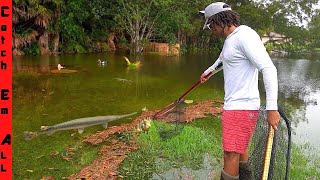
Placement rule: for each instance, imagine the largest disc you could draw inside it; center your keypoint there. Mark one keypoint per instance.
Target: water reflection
(299, 84)
(309, 130)
(34, 64)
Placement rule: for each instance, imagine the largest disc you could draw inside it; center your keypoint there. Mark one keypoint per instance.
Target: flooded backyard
(43, 98)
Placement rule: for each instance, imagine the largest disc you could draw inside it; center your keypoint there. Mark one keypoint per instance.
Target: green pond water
(41, 98)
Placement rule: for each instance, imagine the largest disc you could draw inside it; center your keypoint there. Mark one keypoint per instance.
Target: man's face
(217, 30)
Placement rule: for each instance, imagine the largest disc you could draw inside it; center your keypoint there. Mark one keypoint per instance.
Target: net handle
(267, 153)
(219, 68)
(179, 100)
(167, 109)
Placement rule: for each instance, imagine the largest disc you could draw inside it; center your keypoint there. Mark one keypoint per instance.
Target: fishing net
(280, 152)
(170, 121)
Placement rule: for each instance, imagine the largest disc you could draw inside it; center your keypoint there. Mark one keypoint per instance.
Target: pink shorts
(237, 129)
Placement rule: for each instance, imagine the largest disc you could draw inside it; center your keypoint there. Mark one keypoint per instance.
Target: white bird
(60, 67)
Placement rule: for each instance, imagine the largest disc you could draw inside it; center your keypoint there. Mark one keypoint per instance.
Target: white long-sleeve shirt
(243, 55)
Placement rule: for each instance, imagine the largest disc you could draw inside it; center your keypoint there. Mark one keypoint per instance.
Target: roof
(272, 36)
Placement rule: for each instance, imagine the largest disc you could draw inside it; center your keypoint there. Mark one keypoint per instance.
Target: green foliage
(315, 31)
(101, 20)
(140, 18)
(89, 22)
(304, 163)
(105, 47)
(269, 47)
(71, 21)
(75, 47)
(255, 16)
(32, 49)
(287, 18)
(294, 12)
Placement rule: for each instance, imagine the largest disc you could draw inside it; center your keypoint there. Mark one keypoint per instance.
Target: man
(243, 56)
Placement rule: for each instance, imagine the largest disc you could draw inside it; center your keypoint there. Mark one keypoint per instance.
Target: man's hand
(203, 78)
(273, 117)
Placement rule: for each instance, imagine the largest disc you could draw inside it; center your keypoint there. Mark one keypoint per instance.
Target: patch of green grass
(305, 163)
(53, 160)
(157, 155)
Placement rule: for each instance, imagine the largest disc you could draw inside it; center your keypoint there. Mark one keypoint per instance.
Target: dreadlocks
(225, 19)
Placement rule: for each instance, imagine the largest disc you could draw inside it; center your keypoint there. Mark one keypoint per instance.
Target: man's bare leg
(244, 156)
(231, 163)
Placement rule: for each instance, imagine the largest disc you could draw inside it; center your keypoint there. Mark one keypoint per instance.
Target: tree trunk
(111, 44)
(43, 43)
(56, 43)
(47, 40)
(135, 41)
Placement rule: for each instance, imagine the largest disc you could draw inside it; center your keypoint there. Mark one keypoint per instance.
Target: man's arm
(203, 77)
(255, 51)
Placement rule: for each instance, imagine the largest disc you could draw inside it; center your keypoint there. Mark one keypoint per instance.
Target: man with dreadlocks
(243, 56)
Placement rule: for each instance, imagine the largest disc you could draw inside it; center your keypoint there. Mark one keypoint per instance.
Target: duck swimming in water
(102, 62)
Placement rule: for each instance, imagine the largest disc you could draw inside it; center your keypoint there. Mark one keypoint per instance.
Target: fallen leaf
(188, 101)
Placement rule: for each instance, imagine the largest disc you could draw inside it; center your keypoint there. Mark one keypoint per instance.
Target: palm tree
(33, 23)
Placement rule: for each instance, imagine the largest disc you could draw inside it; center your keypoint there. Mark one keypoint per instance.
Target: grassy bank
(305, 163)
(196, 151)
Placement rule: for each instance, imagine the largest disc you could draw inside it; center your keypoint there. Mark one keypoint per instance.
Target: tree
(254, 15)
(101, 26)
(183, 24)
(71, 26)
(139, 17)
(31, 22)
(296, 12)
(288, 18)
(314, 29)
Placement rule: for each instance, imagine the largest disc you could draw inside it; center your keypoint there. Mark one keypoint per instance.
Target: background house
(272, 37)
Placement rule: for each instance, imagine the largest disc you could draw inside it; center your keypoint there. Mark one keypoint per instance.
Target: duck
(137, 128)
(146, 124)
(102, 62)
(143, 126)
(144, 109)
(60, 67)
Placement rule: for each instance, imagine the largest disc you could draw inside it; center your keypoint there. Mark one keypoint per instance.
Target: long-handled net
(270, 150)
(170, 120)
